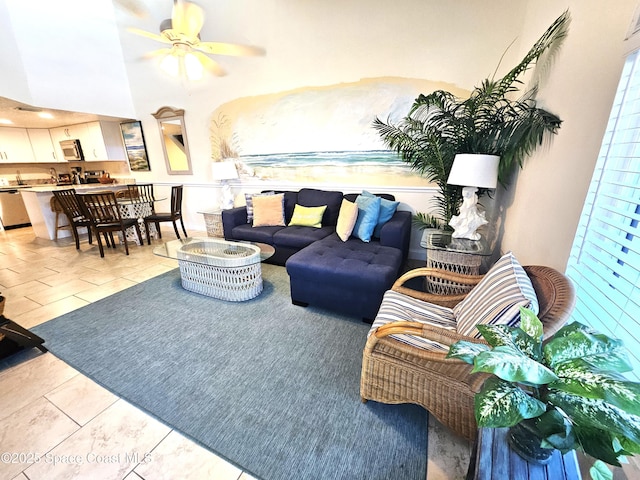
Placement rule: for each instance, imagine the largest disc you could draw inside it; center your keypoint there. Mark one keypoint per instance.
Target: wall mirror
(174, 140)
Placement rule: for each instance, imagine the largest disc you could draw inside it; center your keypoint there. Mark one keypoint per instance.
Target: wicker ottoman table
(218, 268)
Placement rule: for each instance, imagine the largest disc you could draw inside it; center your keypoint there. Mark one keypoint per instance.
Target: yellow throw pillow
(307, 216)
(346, 219)
(268, 210)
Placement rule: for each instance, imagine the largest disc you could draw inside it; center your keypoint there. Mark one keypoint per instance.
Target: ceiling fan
(186, 55)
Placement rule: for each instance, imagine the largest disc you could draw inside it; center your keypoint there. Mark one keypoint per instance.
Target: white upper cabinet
(99, 140)
(105, 142)
(15, 146)
(42, 145)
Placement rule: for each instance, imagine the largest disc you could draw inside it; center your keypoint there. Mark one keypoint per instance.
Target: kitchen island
(37, 201)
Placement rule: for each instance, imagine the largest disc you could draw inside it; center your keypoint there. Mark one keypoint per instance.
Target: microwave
(71, 150)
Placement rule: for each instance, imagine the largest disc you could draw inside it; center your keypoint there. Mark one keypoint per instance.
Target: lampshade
(225, 170)
(474, 170)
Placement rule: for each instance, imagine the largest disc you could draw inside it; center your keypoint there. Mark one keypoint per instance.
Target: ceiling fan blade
(187, 18)
(135, 7)
(153, 36)
(210, 64)
(215, 48)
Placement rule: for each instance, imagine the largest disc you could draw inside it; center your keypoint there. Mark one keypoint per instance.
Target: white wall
(542, 216)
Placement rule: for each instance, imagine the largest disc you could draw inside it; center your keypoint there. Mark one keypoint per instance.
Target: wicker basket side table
(213, 221)
(454, 255)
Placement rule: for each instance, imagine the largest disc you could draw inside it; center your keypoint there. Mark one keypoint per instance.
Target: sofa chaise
(329, 266)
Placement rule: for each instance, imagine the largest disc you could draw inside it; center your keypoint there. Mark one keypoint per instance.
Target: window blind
(605, 258)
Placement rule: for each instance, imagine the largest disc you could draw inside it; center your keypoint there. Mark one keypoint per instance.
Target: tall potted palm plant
(440, 125)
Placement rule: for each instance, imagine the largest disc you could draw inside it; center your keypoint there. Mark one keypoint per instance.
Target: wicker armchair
(395, 372)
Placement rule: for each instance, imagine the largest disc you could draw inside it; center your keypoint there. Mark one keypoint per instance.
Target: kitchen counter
(37, 200)
(79, 188)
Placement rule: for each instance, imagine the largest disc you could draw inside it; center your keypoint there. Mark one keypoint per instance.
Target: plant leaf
(599, 444)
(629, 446)
(598, 414)
(592, 348)
(578, 377)
(466, 351)
(501, 335)
(512, 365)
(503, 404)
(556, 431)
(600, 471)
(496, 335)
(530, 323)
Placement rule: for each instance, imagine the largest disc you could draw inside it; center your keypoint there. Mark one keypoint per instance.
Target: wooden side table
(458, 255)
(492, 459)
(213, 221)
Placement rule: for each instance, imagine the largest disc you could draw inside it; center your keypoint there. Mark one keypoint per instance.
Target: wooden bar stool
(58, 210)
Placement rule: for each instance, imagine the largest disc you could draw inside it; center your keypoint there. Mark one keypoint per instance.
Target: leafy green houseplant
(440, 125)
(566, 393)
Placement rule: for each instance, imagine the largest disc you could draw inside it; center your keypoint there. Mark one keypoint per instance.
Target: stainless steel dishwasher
(12, 211)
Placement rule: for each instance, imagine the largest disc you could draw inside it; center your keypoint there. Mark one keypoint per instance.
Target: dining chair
(173, 216)
(104, 213)
(142, 192)
(68, 201)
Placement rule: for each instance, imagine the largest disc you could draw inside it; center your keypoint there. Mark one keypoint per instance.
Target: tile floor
(57, 424)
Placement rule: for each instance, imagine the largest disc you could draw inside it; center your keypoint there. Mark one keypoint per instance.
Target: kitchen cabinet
(105, 141)
(15, 146)
(99, 140)
(42, 145)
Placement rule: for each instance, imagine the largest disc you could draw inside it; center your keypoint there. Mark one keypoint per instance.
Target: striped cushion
(398, 307)
(497, 298)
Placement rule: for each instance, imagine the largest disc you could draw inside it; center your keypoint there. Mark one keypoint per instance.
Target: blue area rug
(271, 387)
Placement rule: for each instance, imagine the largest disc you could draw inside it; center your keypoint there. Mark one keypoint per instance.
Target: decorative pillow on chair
(268, 210)
(307, 216)
(346, 219)
(387, 209)
(397, 307)
(497, 298)
(368, 213)
(249, 201)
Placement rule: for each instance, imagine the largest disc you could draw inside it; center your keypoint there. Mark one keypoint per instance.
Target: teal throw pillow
(387, 209)
(368, 213)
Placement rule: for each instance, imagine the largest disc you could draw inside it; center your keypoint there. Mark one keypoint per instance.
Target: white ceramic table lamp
(472, 171)
(223, 172)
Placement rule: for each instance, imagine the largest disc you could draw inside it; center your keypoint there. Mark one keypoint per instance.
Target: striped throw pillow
(399, 307)
(497, 298)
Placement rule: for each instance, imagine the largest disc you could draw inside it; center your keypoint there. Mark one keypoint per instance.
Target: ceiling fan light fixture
(193, 67)
(171, 64)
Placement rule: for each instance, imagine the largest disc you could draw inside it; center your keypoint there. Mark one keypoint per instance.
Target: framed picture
(133, 139)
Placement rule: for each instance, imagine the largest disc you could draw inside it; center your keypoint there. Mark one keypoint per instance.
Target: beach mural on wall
(320, 134)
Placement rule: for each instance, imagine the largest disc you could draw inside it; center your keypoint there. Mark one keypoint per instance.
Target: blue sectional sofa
(347, 276)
